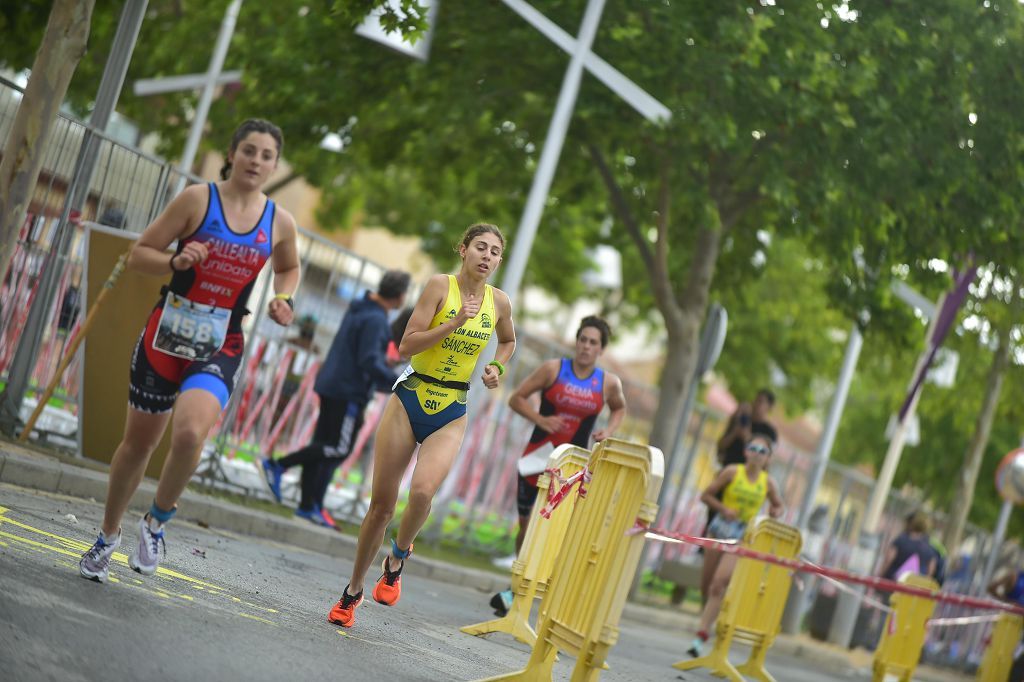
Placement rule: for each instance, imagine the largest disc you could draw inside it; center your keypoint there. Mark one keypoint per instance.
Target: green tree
(62, 45)
(846, 132)
(767, 135)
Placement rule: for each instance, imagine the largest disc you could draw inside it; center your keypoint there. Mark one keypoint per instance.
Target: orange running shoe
(344, 612)
(388, 589)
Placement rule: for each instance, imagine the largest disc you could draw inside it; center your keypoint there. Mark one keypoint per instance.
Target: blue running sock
(160, 515)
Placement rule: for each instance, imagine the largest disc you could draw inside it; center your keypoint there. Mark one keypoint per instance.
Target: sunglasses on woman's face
(758, 450)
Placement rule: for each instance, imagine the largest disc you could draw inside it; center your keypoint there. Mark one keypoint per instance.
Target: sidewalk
(55, 473)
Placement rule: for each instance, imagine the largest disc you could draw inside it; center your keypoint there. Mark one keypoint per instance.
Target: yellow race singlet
(743, 496)
(429, 404)
(455, 357)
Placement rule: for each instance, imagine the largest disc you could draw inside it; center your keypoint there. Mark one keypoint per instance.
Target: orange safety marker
(998, 660)
(753, 604)
(531, 571)
(594, 569)
(899, 650)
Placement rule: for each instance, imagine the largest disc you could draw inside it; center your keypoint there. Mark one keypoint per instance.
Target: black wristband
(171, 263)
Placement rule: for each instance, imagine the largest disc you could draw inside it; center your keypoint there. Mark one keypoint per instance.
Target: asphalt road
(225, 607)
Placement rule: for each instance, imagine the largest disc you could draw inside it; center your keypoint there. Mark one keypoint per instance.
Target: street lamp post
(582, 58)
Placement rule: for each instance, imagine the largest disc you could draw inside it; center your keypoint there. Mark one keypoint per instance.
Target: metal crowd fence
(274, 408)
(127, 190)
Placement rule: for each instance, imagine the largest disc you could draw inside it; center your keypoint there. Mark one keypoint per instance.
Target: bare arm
(616, 401)
(710, 494)
(506, 333)
(180, 218)
(418, 335)
(539, 379)
(774, 500)
(285, 261)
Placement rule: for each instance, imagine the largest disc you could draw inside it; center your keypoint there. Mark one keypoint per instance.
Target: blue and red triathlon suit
(578, 402)
(225, 280)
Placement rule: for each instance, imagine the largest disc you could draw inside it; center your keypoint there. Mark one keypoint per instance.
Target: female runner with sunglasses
(744, 488)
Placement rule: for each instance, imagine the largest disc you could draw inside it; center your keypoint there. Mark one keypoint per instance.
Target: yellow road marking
(257, 618)
(74, 548)
(400, 646)
(77, 547)
(255, 606)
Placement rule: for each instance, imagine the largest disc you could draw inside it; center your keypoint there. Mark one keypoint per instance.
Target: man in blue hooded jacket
(356, 364)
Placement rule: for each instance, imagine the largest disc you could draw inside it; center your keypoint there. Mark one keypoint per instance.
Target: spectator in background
(749, 420)
(911, 551)
(113, 216)
(355, 366)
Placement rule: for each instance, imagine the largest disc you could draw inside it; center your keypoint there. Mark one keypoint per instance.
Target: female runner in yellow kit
(452, 322)
(744, 488)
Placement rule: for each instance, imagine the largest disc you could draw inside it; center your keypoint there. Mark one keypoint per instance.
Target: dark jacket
(355, 364)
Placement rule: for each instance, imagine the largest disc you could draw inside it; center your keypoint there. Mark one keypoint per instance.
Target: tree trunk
(968, 478)
(682, 313)
(676, 374)
(64, 42)
(683, 330)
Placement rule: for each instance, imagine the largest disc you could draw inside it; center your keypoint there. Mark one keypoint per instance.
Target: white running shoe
(95, 564)
(145, 558)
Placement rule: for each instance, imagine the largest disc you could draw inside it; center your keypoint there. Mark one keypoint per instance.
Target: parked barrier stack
(531, 571)
(593, 572)
(753, 604)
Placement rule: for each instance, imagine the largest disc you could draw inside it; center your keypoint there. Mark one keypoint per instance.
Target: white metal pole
(220, 51)
(998, 536)
(835, 414)
(848, 606)
(523, 242)
(797, 602)
(892, 455)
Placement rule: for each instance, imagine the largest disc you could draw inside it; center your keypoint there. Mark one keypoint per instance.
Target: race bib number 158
(190, 330)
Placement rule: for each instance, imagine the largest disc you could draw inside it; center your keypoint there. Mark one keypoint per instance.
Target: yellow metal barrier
(899, 650)
(595, 568)
(753, 604)
(531, 572)
(998, 660)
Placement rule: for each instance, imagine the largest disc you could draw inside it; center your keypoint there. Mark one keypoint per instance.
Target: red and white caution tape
(836, 573)
(963, 620)
(565, 485)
